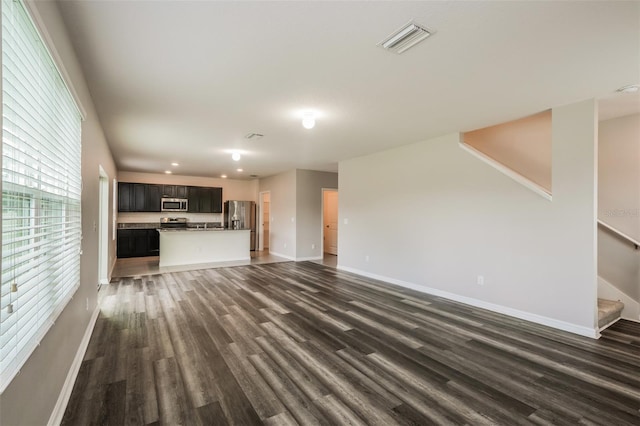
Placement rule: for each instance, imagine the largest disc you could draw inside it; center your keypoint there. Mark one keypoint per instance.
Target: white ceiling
(185, 81)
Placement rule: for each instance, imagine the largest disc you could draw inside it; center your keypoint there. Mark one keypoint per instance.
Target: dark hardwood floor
(290, 343)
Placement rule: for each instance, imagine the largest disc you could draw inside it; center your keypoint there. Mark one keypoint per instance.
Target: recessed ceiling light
(235, 156)
(633, 88)
(168, 172)
(223, 176)
(175, 164)
(308, 119)
(239, 170)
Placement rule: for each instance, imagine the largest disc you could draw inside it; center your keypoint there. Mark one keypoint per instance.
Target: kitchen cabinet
(205, 200)
(216, 202)
(138, 243)
(138, 197)
(131, 197)
(143, 197)
(193, 196)
(174, 191)
(152, 198)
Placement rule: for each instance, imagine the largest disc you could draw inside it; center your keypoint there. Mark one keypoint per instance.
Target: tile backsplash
(155, 217)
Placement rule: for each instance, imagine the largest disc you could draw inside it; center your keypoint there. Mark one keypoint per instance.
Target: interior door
(265, 223)
(330, 215)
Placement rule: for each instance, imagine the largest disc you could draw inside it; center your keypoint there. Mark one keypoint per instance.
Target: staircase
(608, 312)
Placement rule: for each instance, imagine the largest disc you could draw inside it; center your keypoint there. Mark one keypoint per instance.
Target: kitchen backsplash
(155, 217)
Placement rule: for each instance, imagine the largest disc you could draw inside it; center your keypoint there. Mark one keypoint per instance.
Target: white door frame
(103, 227)
(322, 221)
(260, 235)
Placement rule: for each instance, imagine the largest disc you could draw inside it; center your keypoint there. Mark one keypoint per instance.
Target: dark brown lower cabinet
(138, 243)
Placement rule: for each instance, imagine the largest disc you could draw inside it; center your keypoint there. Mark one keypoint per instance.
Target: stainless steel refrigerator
(241, 215)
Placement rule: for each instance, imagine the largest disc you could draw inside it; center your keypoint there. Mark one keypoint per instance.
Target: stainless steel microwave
(174, 205)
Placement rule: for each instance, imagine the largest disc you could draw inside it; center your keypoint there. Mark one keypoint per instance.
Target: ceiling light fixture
(175, 164)
(239, 170)
(236, 156)
(308, 120)
(168, 172)
(404, 38)
(223, 176)
(633, 88)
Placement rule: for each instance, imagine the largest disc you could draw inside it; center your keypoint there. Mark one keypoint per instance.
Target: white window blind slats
(41, 191)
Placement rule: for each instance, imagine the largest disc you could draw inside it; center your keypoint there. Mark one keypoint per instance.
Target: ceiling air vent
(406, 37)
(253, 136)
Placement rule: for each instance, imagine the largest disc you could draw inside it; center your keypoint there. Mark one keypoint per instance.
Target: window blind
(41, 189)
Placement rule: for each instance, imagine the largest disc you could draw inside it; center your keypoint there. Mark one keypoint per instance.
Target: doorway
(330, 221)
(265, 219)
(103, 227)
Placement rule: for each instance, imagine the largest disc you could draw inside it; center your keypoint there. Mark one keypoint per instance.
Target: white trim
(304, 259)
(103, 226)
(620, 233)
(65, 393)
(527, 183)
(38, 23)
(282, 255)
(538, 319)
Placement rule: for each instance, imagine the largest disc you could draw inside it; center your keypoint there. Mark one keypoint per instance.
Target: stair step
(608, 311)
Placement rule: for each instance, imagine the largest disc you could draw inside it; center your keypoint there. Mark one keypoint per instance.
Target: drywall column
(282, 232)
(574, 171)
(309, 232)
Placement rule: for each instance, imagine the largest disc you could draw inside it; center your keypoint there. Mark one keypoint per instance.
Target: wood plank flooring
(301, 343)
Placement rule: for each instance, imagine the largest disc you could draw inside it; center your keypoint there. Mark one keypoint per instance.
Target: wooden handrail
(621, 234)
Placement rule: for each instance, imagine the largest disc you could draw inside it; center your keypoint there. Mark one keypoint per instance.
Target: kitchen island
(193, 246)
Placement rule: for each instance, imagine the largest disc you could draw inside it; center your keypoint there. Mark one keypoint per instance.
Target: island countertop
(193, 246)
(200, 230)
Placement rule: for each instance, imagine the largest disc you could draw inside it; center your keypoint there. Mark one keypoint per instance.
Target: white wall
(619, 263)
(282, 231)
(431, 216)
(619, 204)
(232, 189)
(296, 212)
(309, 186)
(619, 174)
(31, 396)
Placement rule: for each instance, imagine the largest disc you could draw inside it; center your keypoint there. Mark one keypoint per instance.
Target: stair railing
(620, 234)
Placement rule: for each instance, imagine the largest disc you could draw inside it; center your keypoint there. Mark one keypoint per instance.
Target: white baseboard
(538, 319)
(282, 255)
(65, 393)
(304, 259)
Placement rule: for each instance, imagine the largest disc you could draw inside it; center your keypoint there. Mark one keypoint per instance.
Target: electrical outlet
(366, 258)
(346, 221)
(313, 246)
(285, 245)
(480, 280)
